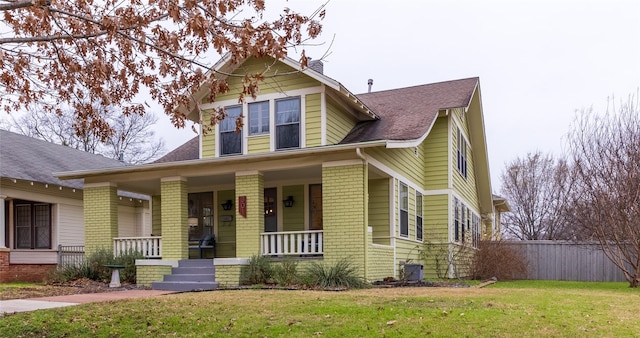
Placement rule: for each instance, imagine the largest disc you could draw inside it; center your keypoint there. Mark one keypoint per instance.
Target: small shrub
(498, 259)
(97, 261)
(94, 268)
(259, 271)
(286, 273)
(128, 260)
(341, 275)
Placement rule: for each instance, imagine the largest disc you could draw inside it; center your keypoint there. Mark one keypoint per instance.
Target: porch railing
(291, 243)
(150, 247)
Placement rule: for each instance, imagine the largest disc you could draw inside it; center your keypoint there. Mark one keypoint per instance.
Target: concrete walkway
(32, 304)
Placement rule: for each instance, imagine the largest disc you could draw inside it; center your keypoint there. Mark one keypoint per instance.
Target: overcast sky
(538, 61)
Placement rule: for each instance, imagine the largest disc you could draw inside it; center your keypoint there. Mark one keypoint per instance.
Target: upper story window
(287, 123)
(259, 118)
(404, 210)
(462, 154)
(419, 235)
(230, 140)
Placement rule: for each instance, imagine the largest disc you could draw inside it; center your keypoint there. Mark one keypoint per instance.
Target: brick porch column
(251, 185)
(345, 212)
(173, 211)
(100, 216)
(2, 224)
(156, 215)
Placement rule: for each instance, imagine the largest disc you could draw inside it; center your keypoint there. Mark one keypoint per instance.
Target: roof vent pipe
(370, 83)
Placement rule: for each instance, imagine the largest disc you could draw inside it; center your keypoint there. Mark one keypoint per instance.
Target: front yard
(506, 309)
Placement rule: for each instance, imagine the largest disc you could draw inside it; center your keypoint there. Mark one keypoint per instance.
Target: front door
(270, 210)
(200, 220)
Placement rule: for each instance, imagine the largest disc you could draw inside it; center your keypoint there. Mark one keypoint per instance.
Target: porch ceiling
(311, 174)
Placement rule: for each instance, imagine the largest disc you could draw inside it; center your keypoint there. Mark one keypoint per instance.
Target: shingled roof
(188, 151)
(26, 158)
(407, 113)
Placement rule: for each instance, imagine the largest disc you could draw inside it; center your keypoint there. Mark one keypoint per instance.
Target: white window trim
(400, 185)
(421, 215)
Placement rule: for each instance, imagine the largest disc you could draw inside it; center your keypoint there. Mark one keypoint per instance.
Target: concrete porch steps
(190, 275)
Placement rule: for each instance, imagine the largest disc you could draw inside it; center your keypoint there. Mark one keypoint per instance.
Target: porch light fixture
(288, 203)
(227, 205)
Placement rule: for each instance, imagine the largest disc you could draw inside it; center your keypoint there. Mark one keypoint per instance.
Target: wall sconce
(227, 205)
(288, 203)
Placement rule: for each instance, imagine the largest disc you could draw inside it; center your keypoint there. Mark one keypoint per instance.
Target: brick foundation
(22, 272)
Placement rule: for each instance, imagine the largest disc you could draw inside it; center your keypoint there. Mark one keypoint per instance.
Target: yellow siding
(379, 262)
(379, 210)
(466, 188)
(313, 123)
(401, 160)
(226, 234)
(277, 84)
(339, 123)
(293, 217)
(258, 144)
(209, 144)
(412, 213)
(436, 218)
(435, 152)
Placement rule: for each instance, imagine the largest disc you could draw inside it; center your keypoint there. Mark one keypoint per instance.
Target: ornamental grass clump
(259, 271)
(341, 275)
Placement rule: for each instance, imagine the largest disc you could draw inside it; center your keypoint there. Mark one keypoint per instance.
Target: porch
(308, 212)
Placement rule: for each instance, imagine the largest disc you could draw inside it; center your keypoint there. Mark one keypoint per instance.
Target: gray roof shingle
(187, 151)
(26, 158)
(407, 113)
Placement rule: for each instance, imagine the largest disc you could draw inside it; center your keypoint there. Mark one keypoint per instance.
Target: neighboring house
(39, 212)
(316, 173)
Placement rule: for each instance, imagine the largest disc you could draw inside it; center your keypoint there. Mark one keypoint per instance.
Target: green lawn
(506, 309)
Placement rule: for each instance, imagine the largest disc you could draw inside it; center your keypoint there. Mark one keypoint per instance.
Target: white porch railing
(150, 247)
(291, 243)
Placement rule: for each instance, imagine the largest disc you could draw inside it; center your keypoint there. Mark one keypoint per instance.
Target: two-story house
(315, 173)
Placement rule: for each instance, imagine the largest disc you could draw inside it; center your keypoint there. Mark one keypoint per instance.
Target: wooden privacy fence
(70, 255)
(565, 260)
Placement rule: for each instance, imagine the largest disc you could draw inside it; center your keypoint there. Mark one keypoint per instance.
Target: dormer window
(259, 118)
(230, 140)
(287, 123)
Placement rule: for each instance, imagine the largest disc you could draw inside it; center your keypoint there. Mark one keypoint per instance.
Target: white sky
(538, 61)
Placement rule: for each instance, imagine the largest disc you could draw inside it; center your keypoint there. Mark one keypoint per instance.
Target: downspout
(361, 155)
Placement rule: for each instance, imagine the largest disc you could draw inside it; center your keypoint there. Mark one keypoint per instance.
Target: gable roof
(226, 66)
(190, 150)
(26, 158)
(408, 113)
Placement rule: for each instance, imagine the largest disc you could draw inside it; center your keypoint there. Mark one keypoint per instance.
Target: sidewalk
(32, 304)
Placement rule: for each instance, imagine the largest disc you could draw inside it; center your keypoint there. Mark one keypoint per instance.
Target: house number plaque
(242, 206)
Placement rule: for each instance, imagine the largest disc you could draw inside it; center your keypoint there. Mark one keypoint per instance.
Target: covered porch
(305, 207)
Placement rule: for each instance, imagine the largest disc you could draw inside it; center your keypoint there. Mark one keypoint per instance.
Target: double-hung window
(462, 154)
(230, 140)
(404, 210)
(259, 118)
(287, 123)
(456, 220)
(32, 225)
(419, 235)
